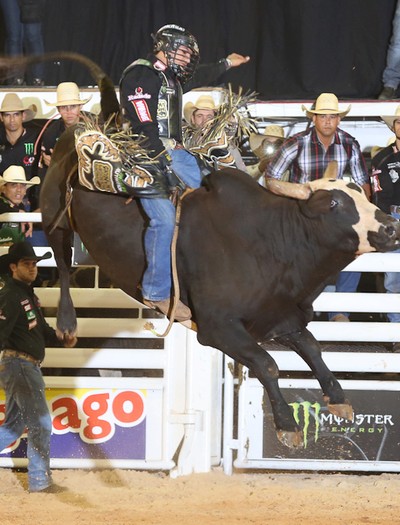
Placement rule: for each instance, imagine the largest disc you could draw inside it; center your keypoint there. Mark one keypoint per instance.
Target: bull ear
(318, 204)
(331, 171)
(289, 189)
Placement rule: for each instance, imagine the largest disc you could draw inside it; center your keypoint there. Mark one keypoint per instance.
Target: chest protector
(169, 109)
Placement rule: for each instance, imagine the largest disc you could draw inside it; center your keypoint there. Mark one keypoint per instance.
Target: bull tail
(109, 100)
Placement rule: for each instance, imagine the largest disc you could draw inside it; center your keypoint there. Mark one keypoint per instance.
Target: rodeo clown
(151, 99)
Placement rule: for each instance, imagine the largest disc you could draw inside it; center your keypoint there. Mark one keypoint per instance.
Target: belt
(20, 355)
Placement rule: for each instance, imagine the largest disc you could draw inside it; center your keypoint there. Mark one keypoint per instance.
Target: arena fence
(359, 355)
(124, 398)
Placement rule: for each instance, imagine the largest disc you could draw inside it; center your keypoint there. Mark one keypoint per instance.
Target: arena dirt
(122, 497)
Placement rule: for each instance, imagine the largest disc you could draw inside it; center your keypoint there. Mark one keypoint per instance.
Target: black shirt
(22, 324)
(386, 178)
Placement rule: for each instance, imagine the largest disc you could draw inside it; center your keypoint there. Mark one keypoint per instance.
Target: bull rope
(175, 281)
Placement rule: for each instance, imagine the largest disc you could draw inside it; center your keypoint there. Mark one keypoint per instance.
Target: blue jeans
(26, 407)
(21, 37)
(391, 73)
(392, 283)
(156, 284)
(346, 282)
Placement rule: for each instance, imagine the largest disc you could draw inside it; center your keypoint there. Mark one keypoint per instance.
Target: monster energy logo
(308, 409)
(29, 147)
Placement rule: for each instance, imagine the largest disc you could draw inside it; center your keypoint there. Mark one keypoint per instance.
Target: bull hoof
(343, 410)
(67, 338)
(291, 439)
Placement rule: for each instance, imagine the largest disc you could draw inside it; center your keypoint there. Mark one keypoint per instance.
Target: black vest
(169, 110)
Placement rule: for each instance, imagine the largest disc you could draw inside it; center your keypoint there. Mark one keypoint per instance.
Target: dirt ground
(123, 497)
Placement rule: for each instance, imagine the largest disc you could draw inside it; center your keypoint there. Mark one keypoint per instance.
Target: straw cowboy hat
(12, 102)
(256, 139)
(377, 149)
(203, 102)
(68, 95)
(17, 175)
(391, 118)
(326, 104)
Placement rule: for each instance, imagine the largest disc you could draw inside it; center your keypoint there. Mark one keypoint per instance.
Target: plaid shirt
(306, 158)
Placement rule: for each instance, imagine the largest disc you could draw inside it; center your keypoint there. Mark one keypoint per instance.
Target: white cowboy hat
(389, 119)
(326, 104)
(12, 102)
(203, 102)
(256, 139)
(68, 95)
(16, 174)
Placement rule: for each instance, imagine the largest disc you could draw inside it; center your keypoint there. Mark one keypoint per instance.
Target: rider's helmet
(168, 39)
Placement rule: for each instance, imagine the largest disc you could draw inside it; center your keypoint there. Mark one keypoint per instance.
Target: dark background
(298, 48)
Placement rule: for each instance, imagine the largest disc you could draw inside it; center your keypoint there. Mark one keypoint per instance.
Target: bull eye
(334, 203)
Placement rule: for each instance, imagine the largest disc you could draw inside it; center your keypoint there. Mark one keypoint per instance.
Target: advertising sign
(374, 435)
(95, 424)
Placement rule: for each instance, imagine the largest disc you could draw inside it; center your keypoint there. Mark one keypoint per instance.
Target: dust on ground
(127, 497)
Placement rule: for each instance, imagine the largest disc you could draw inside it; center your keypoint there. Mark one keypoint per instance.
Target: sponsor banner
(374, 434)
(95, 424)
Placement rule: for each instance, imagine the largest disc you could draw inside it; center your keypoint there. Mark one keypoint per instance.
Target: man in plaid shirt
(307, 154)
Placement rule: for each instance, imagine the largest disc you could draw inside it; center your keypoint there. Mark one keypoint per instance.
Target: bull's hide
(100, 167)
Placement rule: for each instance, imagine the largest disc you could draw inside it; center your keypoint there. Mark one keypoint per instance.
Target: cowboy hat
(17, 175)
(68, 95)
(12, 102)
(19, 251)
(389, 119)
(203, 102)
(256, 139)
(326, 104)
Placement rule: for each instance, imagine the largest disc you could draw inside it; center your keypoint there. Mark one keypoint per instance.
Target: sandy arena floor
(122, 497)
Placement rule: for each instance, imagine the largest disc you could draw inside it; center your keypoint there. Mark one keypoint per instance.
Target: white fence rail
(249, 445)
(180, 384)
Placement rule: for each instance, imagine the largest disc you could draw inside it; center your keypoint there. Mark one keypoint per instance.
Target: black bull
(250, 262)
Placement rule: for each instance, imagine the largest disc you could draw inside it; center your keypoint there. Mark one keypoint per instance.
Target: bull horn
(331, 171)
(289, 189)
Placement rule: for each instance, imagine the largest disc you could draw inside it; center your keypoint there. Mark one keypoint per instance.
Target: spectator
(17, 141)
(264, 146)
(391, 73)
(69, 105)
(307, 154)
(386, 195)
(206, 138)
(13, 185)
(23, 24)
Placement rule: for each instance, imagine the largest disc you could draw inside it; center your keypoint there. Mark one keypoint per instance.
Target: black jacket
(22, 324)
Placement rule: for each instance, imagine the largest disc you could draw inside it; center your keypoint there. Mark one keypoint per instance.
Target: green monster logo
(29, 148)
(307, 409)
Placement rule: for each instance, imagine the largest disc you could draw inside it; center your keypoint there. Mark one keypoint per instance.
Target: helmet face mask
(177, 44)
